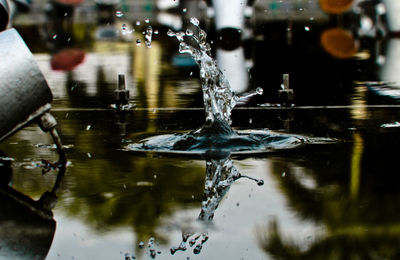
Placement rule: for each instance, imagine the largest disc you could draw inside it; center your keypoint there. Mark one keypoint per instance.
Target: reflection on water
(340, 201)
(27, 226)
(219, 177)
(355, 206)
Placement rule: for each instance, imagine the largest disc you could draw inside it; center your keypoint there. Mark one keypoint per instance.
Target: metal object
(121, 94)
(286, 95)
(25, 94)
(4, 14)
(121, 105)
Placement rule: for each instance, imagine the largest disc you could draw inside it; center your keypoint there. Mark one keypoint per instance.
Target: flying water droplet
(119, 14)
(184, 10)
(306, 28)
(259, 91)
(148, 36)
(124, 29)
(147, 20)
(189, 32)
(194, 21)
(156, 31)
(137, 23)
(138, 42)
(55, 36)
(171, 33)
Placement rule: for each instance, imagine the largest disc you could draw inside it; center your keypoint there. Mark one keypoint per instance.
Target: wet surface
(333, 200)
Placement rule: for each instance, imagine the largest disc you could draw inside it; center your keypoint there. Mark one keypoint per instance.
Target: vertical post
(121, 82)
(286, 95)
(121, 94)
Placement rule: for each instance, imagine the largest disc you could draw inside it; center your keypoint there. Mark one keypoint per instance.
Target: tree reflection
(357, 207)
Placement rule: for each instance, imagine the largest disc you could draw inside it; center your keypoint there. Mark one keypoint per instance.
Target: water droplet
(156, 31)
(189, 32)
(237, 204)
(137, 23)
(259, 91)
(88, 127)
(147, 20)
(69, 39)
(184, 10)
(65, 14)
(171, 33)
(148, 36)
(260, 182)
(124, 29)
(119, 14)
(55, 36)
(141, 244)
(138, 42)
(191, 73)
(283, 174)
(194, 21)
(306, 28)
(89, 155)
(250, 121)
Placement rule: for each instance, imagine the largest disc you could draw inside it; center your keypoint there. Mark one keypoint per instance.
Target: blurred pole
(393, 15)
(229, 14)
(4, 14)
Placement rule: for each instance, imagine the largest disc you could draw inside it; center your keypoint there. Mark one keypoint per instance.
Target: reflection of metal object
(286, 95)
(335, 6)
(24, 91)
(27, 226)
(4, 14)
(121, 96)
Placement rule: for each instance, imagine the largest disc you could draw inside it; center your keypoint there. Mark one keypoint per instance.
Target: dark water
(337, 201)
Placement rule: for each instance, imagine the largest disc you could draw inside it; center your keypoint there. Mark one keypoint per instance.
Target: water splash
(220, 175)
(219, 100)
(218, 97)
(148, 36)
